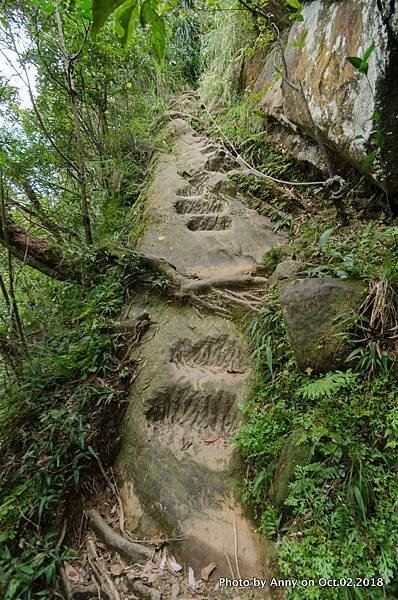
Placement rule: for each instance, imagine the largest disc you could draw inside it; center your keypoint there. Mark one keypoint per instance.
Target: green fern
(328, 385)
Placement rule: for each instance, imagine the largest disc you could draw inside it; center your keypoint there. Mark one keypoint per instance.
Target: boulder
(315, 312)
(340, 101)
(288, 269)
(295, 452)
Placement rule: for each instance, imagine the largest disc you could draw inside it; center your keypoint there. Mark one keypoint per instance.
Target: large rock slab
(314, 311)
(340, 100)
(176, 464)
(194, 224)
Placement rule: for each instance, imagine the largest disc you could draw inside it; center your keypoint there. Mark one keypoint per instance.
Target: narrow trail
(177, 463)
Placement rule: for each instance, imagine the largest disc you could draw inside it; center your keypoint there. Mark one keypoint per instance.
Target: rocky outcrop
(176, 465)
(315, 312)
(195, 224)
(338, 102)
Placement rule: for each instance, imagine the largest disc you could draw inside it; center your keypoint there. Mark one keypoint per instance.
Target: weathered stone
(177, 467)
(202, 231)
(314, 311)
(176, 461)
(339, 100)
(294, 453)
(287, 269)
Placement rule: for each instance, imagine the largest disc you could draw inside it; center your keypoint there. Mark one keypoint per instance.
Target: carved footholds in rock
(315, 312)
(176, 461)
(177, 465)
(196, 223)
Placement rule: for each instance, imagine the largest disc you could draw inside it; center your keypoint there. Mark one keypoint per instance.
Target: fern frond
(328, 385)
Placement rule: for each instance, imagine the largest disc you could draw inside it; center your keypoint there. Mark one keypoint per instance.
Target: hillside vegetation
(77, 147)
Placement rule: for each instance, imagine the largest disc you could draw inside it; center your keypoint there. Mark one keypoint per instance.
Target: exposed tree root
(130, 550)
(143, 590)
(206, 284)
(104, 581)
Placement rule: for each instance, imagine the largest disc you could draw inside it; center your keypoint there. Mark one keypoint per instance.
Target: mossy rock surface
(316, 312)
(295, 452)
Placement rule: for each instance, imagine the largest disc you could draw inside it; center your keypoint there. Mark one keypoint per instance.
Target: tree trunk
(35, 252)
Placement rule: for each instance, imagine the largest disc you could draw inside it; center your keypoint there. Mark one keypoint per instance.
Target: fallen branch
(130, 550)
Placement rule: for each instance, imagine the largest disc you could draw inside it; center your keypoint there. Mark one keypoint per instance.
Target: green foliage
(49, 423)
(327, 385)
(362, 64)
(126, 18)
(298, 7)
(337, 520)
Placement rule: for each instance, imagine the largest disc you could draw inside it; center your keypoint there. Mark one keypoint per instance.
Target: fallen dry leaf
(116, 569)
(207, 571)
(191, 579)
(45, 458)
(100, 545)
(173, 564)
(211, 439)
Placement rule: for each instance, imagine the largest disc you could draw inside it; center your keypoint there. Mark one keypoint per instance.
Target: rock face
(314, 311)
(201, 230)
(339, 100)
(176, 465)
(294, 453)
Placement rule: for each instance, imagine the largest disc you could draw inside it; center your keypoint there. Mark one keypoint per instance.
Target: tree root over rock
(131, 550)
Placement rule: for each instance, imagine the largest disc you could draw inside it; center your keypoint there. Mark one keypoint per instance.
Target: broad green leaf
(364, 67)
(125, 21)
(84, 8)
(102, 9)
(47, 7)
(146, 12)
(294, 4)
(296, 17)
(149, 16)
(369, 160)
(360, 502)
(378, 137)
(323, 240)
(158, 37)
(355, 61)
(369, 52)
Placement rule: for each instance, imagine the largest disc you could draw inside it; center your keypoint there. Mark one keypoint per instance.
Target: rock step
(211, 351)
(199, 205)
(204, 406)
(176, 464)
(209, 222)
